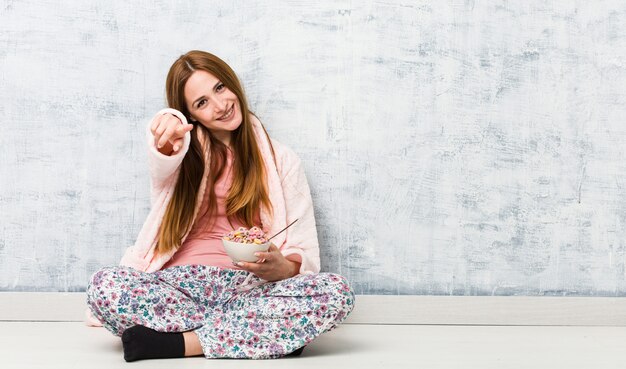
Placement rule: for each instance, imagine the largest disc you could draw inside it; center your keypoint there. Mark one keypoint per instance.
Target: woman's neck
(223, 136)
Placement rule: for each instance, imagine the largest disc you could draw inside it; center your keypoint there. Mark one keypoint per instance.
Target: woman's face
(212, 104)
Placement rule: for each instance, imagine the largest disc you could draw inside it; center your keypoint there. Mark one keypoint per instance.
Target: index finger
(184, 128)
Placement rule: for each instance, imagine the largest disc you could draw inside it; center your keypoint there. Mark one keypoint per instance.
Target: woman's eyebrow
(202, 97)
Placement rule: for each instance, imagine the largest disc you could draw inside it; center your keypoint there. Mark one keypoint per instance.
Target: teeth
(230, 112)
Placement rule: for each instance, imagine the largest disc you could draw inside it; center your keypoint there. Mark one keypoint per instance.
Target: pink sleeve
(162, 167)
(301, 242)
(163, 171)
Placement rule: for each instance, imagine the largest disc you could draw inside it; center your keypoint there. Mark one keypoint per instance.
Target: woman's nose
(220, 105)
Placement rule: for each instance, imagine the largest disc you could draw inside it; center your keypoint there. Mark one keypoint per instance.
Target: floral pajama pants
(231, 319)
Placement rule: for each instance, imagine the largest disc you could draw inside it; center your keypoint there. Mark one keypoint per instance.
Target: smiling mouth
(228, 114)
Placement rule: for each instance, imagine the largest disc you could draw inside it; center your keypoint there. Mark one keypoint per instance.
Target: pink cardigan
(288, 191)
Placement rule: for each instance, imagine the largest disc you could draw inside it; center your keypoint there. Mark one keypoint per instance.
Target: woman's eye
(200, 103)
(220, 87)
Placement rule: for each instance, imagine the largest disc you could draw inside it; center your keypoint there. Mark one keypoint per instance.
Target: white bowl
(244, 251)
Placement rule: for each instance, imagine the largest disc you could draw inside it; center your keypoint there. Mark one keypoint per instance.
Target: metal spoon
(268, 240)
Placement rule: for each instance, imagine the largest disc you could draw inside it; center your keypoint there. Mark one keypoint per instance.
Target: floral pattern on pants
(231, 319)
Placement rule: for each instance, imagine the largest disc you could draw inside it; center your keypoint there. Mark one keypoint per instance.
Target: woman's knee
(340, 291)
(336, 302)
(105, 278)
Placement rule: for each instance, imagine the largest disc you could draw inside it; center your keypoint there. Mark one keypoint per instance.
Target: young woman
(213, 169)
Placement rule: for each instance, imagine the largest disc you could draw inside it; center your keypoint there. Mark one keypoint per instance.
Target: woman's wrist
(294, 268)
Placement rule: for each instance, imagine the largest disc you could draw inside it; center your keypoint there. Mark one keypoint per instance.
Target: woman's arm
(162, 166)
(301, 242)
(299, 253)
(295, 267)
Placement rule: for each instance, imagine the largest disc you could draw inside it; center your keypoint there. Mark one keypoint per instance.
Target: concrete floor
(72, 345)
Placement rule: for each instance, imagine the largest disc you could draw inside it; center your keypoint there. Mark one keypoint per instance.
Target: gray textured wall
(467, 148)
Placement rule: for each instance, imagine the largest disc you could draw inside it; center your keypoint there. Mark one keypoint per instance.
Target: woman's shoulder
(282, 149)
(286, 158)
